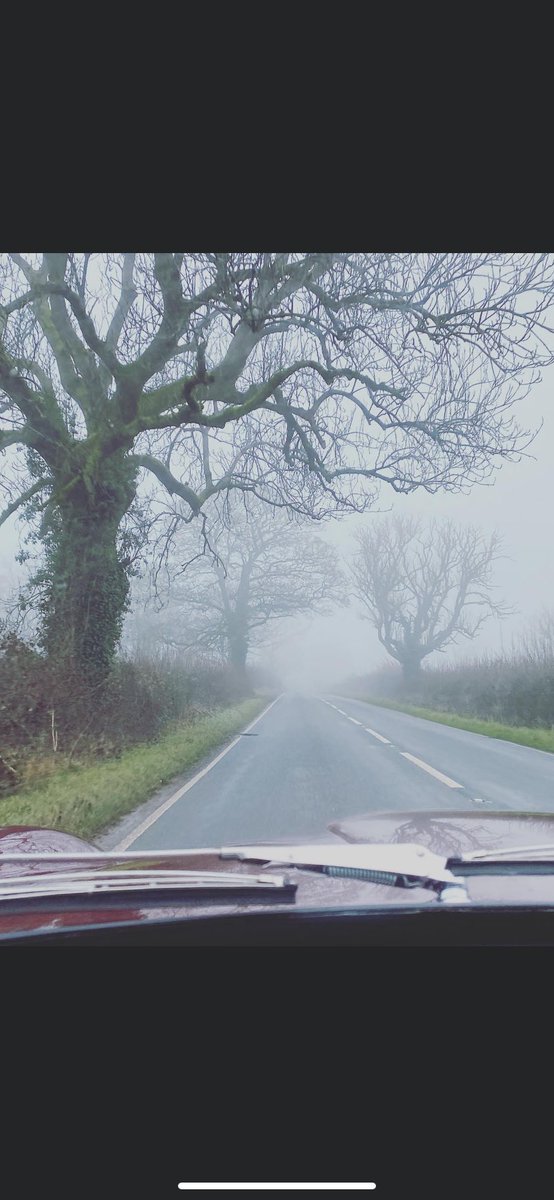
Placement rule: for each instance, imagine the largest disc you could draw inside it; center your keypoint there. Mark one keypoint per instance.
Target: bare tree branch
(126, 298)
(32, 491)
(171, 484)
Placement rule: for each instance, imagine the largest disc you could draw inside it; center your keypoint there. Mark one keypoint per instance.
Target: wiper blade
(74, 883)
(526, 860)
(405, 864)
(545, 851)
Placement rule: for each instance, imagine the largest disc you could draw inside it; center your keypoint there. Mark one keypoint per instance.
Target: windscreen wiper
(405, 864)
(520, 860)
(196, 883)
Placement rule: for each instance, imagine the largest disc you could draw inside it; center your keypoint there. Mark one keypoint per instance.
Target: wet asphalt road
(311, 760)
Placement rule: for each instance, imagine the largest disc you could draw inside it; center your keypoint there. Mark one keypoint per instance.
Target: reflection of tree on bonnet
(461, 834)
(440, 836)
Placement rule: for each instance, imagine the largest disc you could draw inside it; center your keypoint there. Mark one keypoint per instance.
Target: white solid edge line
(277, 1186)
(431, 770)
(151, 820)
(374, 733)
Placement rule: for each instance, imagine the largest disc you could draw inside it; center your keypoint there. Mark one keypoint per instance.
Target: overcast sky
(518, 504)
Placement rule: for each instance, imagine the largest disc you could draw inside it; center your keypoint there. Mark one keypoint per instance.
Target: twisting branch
(127, 297)
(170, 483)
(25, 496)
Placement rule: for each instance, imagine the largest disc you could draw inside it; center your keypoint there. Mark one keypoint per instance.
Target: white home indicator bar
(336, 1187)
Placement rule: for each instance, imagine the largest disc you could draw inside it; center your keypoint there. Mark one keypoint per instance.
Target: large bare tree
(252, 568)
(304, 379)
(424, 586)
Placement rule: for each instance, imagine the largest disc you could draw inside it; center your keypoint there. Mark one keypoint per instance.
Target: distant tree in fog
(424, 586)
(255, 568)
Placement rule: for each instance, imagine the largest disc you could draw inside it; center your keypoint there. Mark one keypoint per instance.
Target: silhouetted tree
(423, 587)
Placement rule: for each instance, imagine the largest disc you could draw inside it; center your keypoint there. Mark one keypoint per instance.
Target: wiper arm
(404, 865)
(76, 883)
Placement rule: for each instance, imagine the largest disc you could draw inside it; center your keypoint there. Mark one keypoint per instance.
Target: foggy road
(309, 760)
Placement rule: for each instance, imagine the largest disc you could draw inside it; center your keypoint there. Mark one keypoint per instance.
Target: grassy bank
(84, 799)
(538, 739)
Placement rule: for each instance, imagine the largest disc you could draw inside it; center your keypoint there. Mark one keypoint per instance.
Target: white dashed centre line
(431, 770)
(377, 735)
(360, 723)
(451, 783)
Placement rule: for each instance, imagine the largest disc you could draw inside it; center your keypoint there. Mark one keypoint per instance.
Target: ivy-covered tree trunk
(85, 583)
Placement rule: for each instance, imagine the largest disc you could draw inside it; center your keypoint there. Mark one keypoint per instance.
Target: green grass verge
(85, 799)
(524, 735)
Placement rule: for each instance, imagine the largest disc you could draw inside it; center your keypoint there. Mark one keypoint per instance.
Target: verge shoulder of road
(88, 798)
(524, 735)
